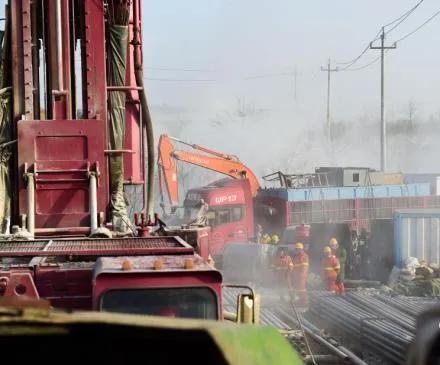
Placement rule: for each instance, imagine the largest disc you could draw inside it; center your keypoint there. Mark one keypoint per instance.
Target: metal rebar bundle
(381, 324)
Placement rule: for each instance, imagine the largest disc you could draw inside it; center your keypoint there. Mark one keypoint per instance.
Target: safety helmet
(299, 246)
(327, 249)
(333, 242)
(275, 239)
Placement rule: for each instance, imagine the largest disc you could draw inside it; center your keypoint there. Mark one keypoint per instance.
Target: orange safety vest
(300, 263)
(330, 267)
(285, 262)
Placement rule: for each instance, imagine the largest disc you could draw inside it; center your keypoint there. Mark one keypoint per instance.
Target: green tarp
(116, 68)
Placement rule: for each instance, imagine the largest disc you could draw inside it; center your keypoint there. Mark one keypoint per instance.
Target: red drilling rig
(75, 134)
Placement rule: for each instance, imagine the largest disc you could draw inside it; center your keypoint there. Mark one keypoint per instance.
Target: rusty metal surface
(62, 157)
(97, 247)
(95, 60)
(147, 263)
(27, 60)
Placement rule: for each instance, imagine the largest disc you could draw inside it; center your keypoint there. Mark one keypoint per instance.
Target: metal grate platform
(97, 247)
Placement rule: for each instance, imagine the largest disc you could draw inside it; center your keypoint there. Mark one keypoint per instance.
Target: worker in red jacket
(283, 268)
(300, 273)
(341, 254)
(330, 270)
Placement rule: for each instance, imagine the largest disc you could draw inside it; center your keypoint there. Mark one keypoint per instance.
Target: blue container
(417, 234)
(361, 192)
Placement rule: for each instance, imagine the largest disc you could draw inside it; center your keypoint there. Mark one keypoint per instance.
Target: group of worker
(271, 240)
(265, 237)
(293, 270)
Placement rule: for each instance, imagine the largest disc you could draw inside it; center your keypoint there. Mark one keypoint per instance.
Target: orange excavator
(207, 158)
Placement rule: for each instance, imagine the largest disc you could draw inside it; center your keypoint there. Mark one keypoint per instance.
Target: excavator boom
(209, 159)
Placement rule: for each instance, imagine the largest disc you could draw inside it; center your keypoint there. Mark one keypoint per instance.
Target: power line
(419, 27)
(364, 66)
(404, 16)
(177, 69)
(264, 76)
(354, 60)
(399, 40)
(178, 80)
(399, 21)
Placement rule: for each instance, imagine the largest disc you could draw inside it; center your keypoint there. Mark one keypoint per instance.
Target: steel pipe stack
(374, 305)
(412, 306)
(379, 324)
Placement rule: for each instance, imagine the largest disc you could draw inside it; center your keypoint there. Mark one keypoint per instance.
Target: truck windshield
(198, 303)
(190, 213)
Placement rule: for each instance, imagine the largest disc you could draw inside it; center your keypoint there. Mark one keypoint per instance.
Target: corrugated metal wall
(417, 234)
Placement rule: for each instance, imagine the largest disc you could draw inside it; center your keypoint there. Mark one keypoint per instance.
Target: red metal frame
(97, 247)
(41, 147)
(95, 60)
(61, 153)
(133, 162)
(356, 212)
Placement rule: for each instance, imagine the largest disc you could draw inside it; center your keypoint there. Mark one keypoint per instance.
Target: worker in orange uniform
(300, 273)
(341, 254)
(284, 267)
(330, 270)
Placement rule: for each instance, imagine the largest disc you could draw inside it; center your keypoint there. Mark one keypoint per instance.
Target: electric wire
(178, 80)
(436, 14)
(419, 27)
(178, 69)
(403, 17)
(397, 22)
(354, 60)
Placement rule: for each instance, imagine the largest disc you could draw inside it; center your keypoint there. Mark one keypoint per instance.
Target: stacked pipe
(379, 325)
(412, 306)
(279, 317)
(374, 305)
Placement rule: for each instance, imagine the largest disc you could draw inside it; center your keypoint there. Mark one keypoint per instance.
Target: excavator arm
(212, 160)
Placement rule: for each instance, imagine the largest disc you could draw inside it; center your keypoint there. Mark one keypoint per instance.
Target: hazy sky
(236, 43)
(236, 39)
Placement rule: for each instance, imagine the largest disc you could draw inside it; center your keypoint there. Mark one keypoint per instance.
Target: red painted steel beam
(95, 60)
(17, 59)
(101, 252)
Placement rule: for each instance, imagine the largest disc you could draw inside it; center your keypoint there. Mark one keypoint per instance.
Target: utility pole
(383, 127)
(295, 79)
(329, 70)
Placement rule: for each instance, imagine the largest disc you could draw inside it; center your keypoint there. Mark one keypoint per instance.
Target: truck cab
(152, 275)
(172, 286)
(230, 213)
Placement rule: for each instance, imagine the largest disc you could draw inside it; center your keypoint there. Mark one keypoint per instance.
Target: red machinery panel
(62, 153)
